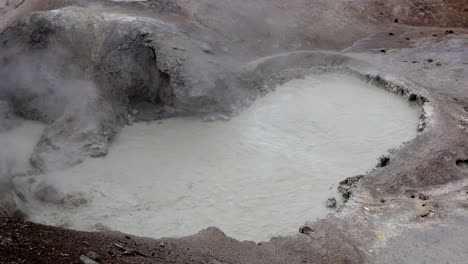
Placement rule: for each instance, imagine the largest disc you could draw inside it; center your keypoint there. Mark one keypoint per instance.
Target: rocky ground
(167, 58)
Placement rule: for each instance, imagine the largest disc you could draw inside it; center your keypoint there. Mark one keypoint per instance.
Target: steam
(43, 86)
(8, 150)
(42, 81)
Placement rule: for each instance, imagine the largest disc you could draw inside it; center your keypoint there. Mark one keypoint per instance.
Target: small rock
(383, 51)
(391, 34)
(120, 247)
(345, 192)
(161, 244)
(206, 47)
(395, 21)
(347, 186)
(306, 230)
(351, 180)
(178, 48)
(449, 31)
(383, 161)
(87, 260)
(423, 197)
(430, 60)
(412, 97)
(428, 213)
(331, 202)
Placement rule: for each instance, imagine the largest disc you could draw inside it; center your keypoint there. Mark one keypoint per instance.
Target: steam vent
(233, 131)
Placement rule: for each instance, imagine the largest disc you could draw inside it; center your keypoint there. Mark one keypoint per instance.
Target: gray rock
(206, 47)
(87, 260)
(331, 202)
(348, 185)
(128, 58)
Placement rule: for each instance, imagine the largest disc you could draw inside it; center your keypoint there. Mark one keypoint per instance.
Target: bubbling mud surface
(263, 173)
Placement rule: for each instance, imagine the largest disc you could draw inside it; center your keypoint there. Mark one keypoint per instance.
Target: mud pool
(263, 173)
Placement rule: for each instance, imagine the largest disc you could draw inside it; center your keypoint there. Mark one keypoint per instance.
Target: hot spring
(264, 173)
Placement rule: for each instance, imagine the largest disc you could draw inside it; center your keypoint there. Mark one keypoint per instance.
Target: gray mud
(260, 174)
(88, 68)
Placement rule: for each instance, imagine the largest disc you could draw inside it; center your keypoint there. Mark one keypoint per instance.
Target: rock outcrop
(82, 71)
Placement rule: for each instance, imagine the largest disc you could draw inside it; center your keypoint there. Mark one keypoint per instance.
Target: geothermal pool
(263, 173)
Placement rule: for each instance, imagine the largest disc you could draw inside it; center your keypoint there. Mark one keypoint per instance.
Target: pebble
(331, 202)
(206, 47)
(87, 260)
